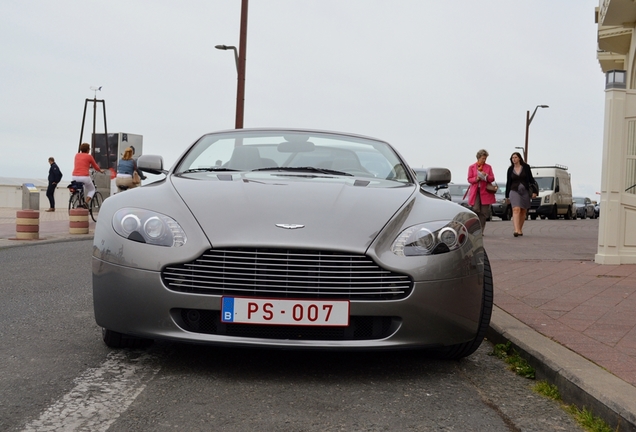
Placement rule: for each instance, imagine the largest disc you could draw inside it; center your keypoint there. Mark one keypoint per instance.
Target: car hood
(248, 209)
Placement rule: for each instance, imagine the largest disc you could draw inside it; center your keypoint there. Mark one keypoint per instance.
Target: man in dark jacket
(55, 175)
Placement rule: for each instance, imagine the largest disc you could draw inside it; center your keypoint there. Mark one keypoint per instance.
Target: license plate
(244, 310)
(532, 211)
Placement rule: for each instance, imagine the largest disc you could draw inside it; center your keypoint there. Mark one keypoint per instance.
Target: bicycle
(78, 200)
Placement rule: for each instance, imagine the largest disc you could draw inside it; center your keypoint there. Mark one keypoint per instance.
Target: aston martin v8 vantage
(294, 239)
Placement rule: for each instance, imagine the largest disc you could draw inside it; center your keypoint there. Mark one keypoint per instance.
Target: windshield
(316, 152)
(545, 183)
(579, 200)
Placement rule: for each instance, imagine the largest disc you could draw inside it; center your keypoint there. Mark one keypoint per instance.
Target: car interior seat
(245, 158)
(347, 162)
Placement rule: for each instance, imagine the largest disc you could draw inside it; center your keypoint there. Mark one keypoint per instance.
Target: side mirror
(437, 176)
(556, 189)
(152, 164)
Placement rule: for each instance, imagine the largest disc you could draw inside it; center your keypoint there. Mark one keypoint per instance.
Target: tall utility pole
(240, 88)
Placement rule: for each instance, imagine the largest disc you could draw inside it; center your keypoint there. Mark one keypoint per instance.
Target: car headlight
(502, 201)
(430, 238)
(150, 227)
(546, 199)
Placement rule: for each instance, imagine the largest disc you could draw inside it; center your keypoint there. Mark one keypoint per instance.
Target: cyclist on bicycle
(83, 161)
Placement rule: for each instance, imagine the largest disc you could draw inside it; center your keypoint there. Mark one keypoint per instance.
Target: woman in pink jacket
(479, 175)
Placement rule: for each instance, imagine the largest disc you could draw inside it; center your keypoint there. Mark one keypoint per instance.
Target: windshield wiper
(207, 169)
(305, 168)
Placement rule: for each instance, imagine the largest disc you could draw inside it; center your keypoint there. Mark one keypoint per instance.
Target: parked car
(597, 209)
(584, 207)
(501, 208)
(438, 190)
(294, 239)
(458, 194)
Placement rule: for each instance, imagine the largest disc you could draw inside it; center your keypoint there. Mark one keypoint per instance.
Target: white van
(555, 193)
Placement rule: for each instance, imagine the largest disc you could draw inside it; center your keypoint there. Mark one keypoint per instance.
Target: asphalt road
(56, 374)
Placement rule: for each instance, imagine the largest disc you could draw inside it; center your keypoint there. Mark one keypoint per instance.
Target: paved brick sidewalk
(548, 280)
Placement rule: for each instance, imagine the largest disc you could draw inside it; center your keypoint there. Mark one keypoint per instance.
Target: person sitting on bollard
(126, 169)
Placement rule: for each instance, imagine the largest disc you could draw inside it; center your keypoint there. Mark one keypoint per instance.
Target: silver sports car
(295, 239)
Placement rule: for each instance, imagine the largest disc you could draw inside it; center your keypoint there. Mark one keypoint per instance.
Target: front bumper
(137, 303)
(543, 210)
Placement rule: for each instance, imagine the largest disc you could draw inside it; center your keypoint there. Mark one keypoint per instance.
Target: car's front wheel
(456, 352)
(115, 339)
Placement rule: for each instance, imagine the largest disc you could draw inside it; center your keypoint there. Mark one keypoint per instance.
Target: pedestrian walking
(55, 176)
(520, 186)
(480, 175)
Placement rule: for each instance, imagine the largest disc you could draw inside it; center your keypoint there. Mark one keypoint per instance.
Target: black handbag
(534, 188)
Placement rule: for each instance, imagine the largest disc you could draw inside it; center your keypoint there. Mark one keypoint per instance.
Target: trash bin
(30, 197)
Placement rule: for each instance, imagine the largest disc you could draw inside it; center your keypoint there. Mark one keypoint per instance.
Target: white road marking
(100, 394)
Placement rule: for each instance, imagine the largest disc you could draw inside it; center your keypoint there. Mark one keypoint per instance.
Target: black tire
(584, 215)
(533, 217)
(553, 215)
(96, 204)
(74, 202)
(115, 339)
(568, 215)
(456, 352)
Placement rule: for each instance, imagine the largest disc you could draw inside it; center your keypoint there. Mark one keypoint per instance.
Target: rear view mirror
(295, 147)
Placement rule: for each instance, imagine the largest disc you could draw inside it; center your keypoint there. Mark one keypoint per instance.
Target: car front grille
(360, 327)
(283, 273)
(535, 202)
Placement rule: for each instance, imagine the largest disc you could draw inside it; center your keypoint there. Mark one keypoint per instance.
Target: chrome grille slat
(282, 287)
(287, 268)
(299, 278)
(286, 273)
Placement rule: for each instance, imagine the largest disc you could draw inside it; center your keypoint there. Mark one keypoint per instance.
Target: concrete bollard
(78, 221)
(27, 225)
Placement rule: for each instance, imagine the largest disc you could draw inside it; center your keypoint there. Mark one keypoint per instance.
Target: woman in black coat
(518, 192)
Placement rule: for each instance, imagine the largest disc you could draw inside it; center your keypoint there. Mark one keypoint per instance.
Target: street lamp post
(528, 121)
(240, 66)
(230, 47)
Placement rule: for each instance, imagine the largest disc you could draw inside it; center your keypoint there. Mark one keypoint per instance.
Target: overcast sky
(437, 79)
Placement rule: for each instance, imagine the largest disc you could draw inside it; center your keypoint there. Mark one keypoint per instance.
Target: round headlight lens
(130, 223)
(448, 236)
(424, 239)
(153, 227)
